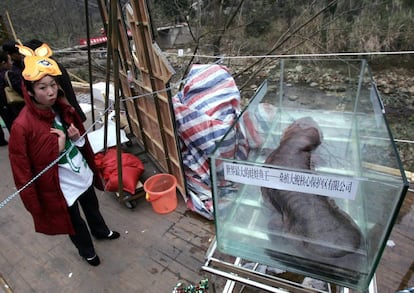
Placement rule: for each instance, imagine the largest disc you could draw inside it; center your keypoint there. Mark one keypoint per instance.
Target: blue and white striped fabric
(205, 110)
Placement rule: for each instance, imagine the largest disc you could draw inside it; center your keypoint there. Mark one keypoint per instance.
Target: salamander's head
(304, 133)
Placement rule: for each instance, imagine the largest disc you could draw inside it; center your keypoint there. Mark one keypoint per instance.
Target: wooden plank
(153, 254)
(4, 286)
(146, 69)
(388, 170)
(144, 259)
(396, 268)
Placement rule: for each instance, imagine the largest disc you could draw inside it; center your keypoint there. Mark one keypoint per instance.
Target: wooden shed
(142, 75)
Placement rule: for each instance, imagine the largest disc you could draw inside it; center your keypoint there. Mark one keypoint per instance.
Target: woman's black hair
(29, 85)
(9, 46)
(4, 56)
(33, 44)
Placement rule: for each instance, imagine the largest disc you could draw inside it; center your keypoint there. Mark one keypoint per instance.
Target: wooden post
(88, 42)
(12, 28)
(115, 55)
(4, 286)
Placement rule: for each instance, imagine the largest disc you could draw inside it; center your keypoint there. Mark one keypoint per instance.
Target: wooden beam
(388, 170)
(4, 287)
(12, 28)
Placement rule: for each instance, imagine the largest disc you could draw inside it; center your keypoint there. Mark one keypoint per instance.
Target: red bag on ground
(132, 169)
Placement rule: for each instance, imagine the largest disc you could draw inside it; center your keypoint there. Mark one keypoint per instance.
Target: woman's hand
(73, 132)
(61, 138)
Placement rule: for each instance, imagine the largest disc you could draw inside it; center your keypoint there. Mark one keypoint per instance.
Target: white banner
(332, 186)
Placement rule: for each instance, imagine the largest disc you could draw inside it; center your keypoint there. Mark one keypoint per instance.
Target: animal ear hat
(37, 63)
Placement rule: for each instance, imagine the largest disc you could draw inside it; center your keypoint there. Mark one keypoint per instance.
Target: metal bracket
(235, 273)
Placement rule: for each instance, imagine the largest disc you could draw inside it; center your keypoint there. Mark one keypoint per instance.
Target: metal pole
(115, 55)
(88, 42)
(107, 27)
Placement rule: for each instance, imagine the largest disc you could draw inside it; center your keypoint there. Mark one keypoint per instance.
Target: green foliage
(61, 23)
(171, 10)
(256, 25)
(382, 28)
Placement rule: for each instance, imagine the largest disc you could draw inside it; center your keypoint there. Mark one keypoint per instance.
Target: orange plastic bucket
(161, 192)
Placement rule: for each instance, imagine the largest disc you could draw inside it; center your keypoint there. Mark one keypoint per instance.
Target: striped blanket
(205, 110)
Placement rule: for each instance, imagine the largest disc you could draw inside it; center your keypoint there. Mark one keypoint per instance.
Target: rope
(175, 85)
(10, 197)
(297, 55)
(181, 54)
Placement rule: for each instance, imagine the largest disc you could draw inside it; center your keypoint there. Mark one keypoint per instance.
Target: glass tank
(308, 178)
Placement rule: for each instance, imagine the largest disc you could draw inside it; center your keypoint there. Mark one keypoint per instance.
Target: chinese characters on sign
(332, 186)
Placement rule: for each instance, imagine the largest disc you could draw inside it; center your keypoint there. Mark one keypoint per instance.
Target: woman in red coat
(48, 140)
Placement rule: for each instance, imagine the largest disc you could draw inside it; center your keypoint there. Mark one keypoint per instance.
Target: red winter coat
(31, 149)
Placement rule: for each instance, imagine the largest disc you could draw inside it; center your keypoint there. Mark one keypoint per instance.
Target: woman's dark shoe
(409, 290)
(3, 143)
(112, 235)
(93, 261)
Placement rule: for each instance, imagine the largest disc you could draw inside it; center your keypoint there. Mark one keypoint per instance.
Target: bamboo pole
(4, 286)
(12, 28)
